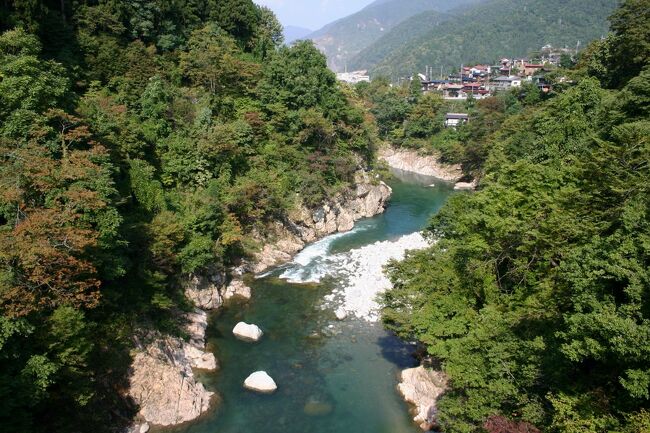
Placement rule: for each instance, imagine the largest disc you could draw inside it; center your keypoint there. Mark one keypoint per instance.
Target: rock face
(422, 387)
(260, 381)
(428, 165)
(303, 225)
(465, 186)
(247, 332)
(162, 382)
(237, 289)
(205, 289)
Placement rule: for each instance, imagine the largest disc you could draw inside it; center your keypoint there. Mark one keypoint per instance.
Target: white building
(452, 120)
(353, 77)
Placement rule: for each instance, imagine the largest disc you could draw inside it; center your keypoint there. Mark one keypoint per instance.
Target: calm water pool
(333, 377)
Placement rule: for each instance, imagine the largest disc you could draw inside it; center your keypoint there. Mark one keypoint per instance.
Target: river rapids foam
(359, 272)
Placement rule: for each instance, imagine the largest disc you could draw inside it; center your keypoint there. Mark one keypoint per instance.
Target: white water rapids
(360, 271)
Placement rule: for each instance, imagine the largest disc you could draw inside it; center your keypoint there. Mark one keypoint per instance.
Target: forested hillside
(535, 298)
(343, 39)
(140, 141)
(483, 33)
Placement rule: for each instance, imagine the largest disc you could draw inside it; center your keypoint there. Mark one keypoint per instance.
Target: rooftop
(457, 116)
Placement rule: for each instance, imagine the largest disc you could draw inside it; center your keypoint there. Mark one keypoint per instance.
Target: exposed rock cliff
(162, 382)
(422, 387)
(303, 226)
(413, 161)
(205, 289)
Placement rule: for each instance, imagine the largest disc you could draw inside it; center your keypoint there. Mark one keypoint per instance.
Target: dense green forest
(140, 141)
(535, 297)
(483, 33)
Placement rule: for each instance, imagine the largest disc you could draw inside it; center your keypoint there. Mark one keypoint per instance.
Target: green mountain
(344, 38)
(482, 33)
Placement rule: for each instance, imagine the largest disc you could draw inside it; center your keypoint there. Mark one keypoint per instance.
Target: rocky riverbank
(422, 387)
(368, 198)
(415, 162)
(162, 382)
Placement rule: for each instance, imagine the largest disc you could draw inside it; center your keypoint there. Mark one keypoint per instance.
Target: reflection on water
(333, 377)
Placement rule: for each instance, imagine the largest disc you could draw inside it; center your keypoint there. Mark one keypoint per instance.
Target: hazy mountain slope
(484, 32)
(344, 38)
(293, 33)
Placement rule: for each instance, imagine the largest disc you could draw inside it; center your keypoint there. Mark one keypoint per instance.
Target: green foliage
(534, 300)
(141, 141)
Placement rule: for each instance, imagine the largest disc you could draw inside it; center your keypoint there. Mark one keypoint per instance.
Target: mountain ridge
(342, 39)
(482, 32)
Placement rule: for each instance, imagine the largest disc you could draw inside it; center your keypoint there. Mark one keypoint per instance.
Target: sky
(312, 14)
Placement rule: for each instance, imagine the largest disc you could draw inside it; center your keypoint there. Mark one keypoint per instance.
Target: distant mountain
(293, 33)
(345, 38)
(482, 33)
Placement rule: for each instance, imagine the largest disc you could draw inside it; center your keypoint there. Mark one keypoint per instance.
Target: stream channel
(333, 376)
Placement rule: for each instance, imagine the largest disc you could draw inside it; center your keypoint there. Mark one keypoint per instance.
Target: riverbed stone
(247, 332)
(315, 407)
(261, 382)
(341, 314)
(423, 387)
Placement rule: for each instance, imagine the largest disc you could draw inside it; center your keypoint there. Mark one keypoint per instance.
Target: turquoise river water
(333, 376)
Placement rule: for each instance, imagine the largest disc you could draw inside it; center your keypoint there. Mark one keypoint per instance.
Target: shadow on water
(397, 352)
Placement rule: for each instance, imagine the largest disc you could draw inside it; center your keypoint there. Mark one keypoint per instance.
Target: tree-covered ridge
(535, 299)
(343, 39)
(140, 141)
(483, 33)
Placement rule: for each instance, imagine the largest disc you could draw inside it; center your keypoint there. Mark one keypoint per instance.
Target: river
(333, 376)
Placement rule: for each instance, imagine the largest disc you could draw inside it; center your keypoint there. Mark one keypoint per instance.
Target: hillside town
(482, 80)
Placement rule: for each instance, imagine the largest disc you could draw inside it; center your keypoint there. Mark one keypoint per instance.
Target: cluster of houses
(480, 81)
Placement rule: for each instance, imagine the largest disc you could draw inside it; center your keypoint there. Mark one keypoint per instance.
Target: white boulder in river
(247, 332)
(260, 381)
(341, 314)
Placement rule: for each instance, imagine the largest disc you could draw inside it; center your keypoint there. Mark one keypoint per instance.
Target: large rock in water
(247, 332)
(260, 381)
(423, 387)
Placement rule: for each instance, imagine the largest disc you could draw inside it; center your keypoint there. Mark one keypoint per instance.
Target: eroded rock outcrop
(366, 199)
(205, 289)
(413, 161)
(423, 387)
(236, 289)
(466, 186)
(162, 382)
